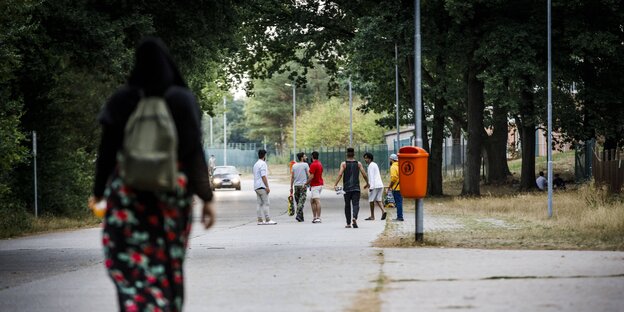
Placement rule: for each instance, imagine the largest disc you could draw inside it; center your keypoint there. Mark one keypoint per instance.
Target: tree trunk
(527, 137)
(474, 113)
(496, 148)
(437, 141)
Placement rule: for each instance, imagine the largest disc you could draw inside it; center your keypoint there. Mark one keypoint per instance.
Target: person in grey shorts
(376, 186)
(299, 183)
(261, 186)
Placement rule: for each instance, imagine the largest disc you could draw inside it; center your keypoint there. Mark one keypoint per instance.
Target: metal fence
(241, 155)
(244, 155)
(608, 169)
(453, 157)
(331, 157)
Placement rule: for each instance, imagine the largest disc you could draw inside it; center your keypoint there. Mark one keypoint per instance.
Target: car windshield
(225, 170)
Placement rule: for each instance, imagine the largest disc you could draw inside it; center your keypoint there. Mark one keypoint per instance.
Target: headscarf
(154, 70)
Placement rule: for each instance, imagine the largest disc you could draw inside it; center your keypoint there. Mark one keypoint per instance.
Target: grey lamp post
(350, 115)
(550, 173)
(396, 94)
(224, 134)
(418, 112)
(350, 110)
(294, 96)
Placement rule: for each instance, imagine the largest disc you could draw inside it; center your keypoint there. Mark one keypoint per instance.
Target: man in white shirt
(261, 186)
(299, 179)
(212, 163)
(375, 185)
(541, 182)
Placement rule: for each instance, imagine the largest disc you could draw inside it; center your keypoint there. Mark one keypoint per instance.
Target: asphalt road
(241, 266)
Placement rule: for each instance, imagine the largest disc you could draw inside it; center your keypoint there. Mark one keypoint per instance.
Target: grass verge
(585, 219)
(27, 224)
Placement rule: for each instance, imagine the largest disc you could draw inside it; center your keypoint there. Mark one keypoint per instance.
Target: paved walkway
(240, 266)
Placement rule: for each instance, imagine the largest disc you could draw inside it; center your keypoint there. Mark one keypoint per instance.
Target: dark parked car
(226, 177)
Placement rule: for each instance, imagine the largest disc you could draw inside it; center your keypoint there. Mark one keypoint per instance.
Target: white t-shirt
(374, 177)
(300, 171)
(260, 170)
(541, 183)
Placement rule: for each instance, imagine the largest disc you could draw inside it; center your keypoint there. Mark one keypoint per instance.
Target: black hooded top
(155, 74)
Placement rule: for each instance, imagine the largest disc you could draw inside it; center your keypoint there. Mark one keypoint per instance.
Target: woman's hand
(92, 201)
(208, 215)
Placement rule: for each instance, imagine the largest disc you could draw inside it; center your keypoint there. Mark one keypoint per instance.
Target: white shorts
(375, 194)
(316, 191)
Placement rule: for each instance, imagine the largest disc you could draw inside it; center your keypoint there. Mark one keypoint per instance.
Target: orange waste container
(413, 171)
(290, 165)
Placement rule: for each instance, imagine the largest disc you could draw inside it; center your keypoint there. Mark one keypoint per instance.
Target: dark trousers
(398, 201)
(352, 199)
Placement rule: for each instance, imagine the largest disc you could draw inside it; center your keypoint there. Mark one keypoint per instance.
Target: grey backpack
(148, 158)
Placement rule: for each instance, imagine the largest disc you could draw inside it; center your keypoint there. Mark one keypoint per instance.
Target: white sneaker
(261, 223)
(270, 222)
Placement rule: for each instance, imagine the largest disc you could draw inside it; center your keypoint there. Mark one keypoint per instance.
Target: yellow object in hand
(98, 208)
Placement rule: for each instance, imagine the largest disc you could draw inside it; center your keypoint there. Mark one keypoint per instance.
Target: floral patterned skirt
(145, 237)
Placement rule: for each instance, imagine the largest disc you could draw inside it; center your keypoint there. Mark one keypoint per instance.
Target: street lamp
(350, 115)
(224, 134)
(294, 96)
(350, 110)
(418, 112)
(396, 94)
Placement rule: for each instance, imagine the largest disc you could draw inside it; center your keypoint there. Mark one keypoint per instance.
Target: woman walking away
(148, 215)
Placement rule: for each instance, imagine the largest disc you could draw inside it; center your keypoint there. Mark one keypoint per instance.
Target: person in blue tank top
(351, 170)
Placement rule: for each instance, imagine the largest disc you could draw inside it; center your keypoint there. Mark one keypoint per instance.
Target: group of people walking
(147, 224)
(304, 176)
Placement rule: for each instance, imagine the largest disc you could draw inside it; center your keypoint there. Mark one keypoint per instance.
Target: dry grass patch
(45, 224)
(586, 218)
(369, 299)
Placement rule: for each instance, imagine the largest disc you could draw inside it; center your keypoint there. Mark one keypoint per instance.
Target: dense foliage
(484, 65)
(59, 62)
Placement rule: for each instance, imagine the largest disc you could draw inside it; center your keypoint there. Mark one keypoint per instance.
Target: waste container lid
(412, 150)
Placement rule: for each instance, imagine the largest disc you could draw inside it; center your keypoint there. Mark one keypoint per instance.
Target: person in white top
(299, 179)
(375, 185)
(541, 181)
(261, 186)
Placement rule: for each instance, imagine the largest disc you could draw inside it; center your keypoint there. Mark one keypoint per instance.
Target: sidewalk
(432, 279)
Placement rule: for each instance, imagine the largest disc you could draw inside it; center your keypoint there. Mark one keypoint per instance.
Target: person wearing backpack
(150, 164)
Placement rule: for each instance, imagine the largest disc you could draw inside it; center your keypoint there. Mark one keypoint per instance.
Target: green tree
(67, 57)
(327, 124)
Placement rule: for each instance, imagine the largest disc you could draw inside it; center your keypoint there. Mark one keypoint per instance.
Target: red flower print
(165, 283)
(132, 307)
(161, 255)
(158, 294)
(139, 298)
(171, 236)
(153, 220)
(122, 215)
(136, 257)
(177, 279)
(171, 213)
(151, 279)
(118, 277)
(157, 309)
(182, 181)
(108, 263)
(148, 250)
(105, 240)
